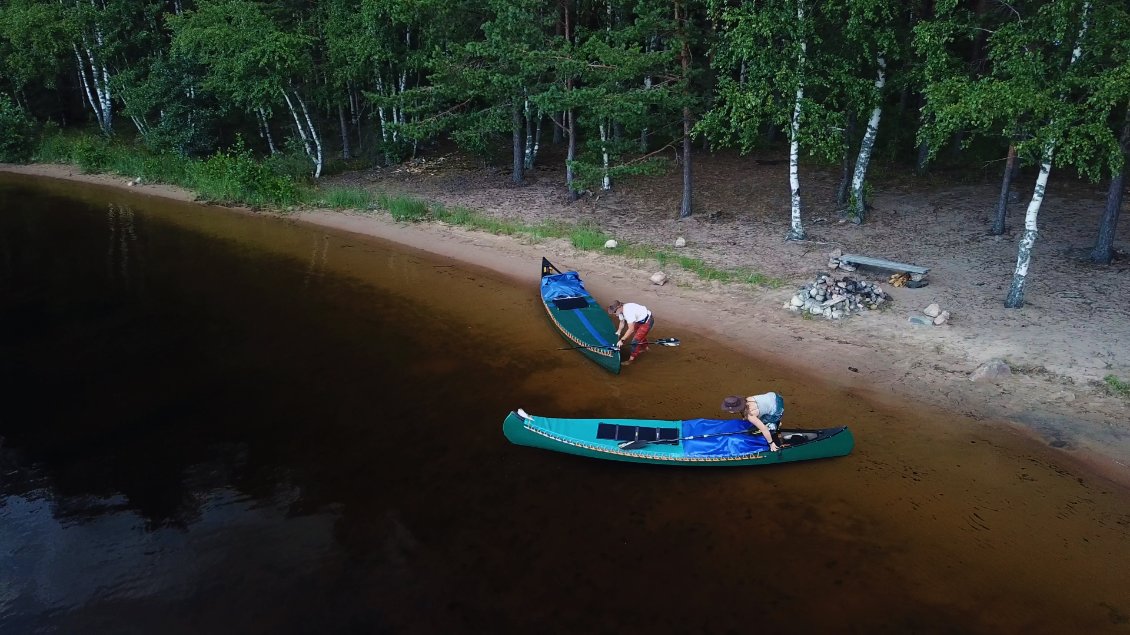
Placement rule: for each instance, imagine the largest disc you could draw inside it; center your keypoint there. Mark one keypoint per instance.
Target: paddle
(667, 341)
(641, 443)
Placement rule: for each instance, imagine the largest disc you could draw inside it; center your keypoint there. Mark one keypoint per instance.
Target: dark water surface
(213, 422)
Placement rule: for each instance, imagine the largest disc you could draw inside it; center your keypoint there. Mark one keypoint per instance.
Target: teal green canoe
(703, 442)
(580, 319)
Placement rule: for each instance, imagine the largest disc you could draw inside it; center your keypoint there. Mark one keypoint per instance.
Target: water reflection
(319, 256)
(123, 239)
(107, 553)
(62, 553)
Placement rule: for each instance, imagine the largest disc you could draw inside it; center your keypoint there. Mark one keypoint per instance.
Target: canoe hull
(578, 317)
(557, 435)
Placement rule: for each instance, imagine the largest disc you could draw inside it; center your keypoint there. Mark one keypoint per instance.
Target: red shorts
(639, 338)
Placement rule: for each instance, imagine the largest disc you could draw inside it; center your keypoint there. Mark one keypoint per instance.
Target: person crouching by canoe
(636, 322)
(763, 411)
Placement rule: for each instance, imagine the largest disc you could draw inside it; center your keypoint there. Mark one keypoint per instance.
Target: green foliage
(33, 44)
(291, 163)
(1117, 386)
(456, 216)
(250, 53)
(53, 145)
(164, 167)
(590, 171)
(92, 154)
(234, 176)
(1036, 91)
(17, 141)
(988, 75)
(159, 93)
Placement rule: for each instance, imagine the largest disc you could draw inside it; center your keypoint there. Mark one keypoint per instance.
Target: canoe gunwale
(599, 350)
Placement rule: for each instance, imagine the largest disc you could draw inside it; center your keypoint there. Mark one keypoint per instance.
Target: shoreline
(876, 356)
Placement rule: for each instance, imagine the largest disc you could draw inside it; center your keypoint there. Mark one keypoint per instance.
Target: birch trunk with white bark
(1015, 297)
(606, 178)
(265, 130)
(858, 206)
(796, 228)
(307, 132)
(95, 80)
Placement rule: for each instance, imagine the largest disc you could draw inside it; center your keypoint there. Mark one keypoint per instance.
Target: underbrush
(231, 176)
(1117, 386)
(17, 139)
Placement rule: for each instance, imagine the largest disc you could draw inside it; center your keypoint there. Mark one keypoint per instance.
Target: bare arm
(628, 332)
(764, 429)
(620, 326)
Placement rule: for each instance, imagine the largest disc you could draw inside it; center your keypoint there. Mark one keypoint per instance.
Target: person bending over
(763, 411)
(636, 322)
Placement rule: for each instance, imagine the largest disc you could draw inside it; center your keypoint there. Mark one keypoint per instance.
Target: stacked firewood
(835, 299)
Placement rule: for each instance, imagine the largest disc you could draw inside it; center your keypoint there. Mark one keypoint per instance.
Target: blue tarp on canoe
(565, 285)
(728, 445)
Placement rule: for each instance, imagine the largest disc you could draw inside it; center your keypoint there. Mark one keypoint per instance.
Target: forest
(627, 87)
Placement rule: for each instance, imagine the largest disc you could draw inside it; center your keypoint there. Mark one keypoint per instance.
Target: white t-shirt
(632, 312)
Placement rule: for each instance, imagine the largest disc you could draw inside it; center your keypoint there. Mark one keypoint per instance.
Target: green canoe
(717, 442)
(578, 316)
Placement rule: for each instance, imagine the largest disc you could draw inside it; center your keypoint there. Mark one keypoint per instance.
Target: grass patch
(587, 238)
(549, 230)
(1117, 386)
(404, 208)
(346, 198)
(583, 237)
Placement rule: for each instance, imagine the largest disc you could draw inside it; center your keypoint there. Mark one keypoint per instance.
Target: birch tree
(765, 50)
(871, 37)
(1025, 52)
(254, 61)
(403, 50)
(615, 101)
(90, 44)
(963, 101)
(161, 96)
(494, 77)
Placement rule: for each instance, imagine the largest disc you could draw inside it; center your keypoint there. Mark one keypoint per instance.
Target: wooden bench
(867, 261)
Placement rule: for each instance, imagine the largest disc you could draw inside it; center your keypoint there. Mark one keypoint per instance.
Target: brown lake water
(213, 422)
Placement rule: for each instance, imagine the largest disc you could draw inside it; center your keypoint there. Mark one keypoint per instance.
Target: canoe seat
(568, 304)
(617, 432)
